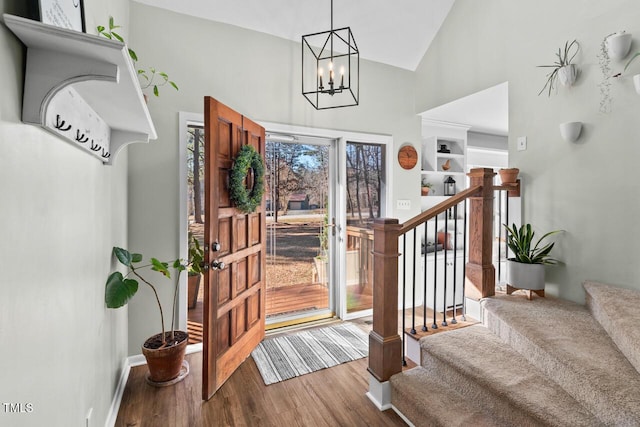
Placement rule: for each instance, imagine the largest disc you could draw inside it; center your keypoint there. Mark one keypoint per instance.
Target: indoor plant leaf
(118, 290)
(117, 37)
(161, 267)
(520, 242)
(123, 255)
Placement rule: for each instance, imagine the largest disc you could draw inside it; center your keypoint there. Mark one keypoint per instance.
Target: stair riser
(499, 406)
(573, 382)
(420, 398)
(618, 322)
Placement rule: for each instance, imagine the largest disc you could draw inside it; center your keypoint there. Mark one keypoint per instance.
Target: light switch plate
(522, 143)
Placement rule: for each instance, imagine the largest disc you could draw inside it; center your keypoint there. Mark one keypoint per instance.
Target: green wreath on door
(245, 199)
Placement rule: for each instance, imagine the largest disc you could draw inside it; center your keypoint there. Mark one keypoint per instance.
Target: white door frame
(340, 272)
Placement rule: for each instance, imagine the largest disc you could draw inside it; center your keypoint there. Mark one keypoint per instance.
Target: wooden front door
(235, 250)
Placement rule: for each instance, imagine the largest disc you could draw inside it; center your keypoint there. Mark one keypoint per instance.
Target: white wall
(61, 212)
(259, 76)
(585, 188)
(487, 151)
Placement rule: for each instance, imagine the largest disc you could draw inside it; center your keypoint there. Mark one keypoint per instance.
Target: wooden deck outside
(279, 301)
(296, 298)
(287, 300)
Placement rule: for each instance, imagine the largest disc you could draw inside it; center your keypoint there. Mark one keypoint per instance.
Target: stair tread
(518, 391)
(425, 401)
(616, 309)
(563, 340)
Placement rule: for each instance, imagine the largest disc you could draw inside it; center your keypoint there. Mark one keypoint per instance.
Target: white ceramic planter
(636, 83)
(618, 45)
(570, 131)
(525, 276)
(567, 75)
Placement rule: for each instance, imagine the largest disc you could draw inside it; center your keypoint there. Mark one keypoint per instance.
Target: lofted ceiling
(396, 32)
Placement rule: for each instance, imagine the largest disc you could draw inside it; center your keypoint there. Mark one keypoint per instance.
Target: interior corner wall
(61, 213)
(259, 76)
(584, 188)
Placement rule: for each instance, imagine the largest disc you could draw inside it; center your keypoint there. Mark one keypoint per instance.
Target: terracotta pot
(165, 363)
(193, 287)
(425, 190)
(509, 175)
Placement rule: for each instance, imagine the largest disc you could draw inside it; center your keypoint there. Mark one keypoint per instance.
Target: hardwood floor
(327, 398)
(330, 397)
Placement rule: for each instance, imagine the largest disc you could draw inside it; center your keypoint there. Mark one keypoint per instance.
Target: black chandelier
(331, 68)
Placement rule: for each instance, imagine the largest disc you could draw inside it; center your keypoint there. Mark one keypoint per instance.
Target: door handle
(217, 265)
(332, 226)
(215, 246)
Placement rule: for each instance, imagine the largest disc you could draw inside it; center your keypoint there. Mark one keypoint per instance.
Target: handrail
(439, 208)
(385, 345)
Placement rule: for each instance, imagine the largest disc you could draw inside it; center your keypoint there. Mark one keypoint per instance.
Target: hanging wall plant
(562, 69)
(605, 69)
(148, 77)
(246, 199)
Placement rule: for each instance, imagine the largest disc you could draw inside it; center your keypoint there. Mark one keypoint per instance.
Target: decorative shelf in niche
(83, 88)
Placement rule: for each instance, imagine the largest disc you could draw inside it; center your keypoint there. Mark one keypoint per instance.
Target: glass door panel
(364, 179)
(299, 230)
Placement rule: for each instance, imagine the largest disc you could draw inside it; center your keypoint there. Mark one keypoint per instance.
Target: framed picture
(61, 13)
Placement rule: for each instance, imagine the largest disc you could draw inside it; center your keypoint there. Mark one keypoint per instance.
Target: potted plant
(149, 77)
(425, 187)
(194, 272)
(526, 269)
(562, 70)
(165, 351)
(604, 61)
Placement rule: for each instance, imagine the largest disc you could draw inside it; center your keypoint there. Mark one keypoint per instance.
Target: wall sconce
(449, 186)
(570, 131)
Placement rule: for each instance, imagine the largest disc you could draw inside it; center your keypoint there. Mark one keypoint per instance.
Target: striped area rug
(307, 351)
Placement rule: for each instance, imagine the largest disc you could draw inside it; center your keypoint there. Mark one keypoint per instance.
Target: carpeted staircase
(545, 362)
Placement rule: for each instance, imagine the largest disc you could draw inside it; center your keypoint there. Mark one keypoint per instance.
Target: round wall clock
(407, 156)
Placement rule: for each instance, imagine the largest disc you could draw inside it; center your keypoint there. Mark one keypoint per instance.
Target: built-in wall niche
(82, 88)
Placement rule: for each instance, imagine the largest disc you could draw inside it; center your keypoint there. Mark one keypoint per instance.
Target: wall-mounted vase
(636, 83)
(570, 131)
(567, 75)
(618, 45)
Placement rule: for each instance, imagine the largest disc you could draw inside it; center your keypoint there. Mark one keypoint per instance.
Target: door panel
(301, 230)
(234, 294)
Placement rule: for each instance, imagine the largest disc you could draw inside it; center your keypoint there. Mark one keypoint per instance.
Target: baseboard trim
(130, 362)
(401, 415)
(117, 397)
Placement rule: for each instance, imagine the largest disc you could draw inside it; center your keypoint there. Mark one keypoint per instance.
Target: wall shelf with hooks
(83, 88)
